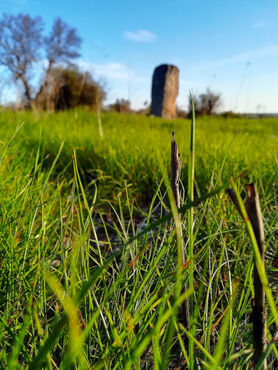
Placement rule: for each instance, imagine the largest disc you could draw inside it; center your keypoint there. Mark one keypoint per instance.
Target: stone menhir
(165, 89)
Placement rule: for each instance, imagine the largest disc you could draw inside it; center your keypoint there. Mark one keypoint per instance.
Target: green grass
(127, 153)
(84, 284)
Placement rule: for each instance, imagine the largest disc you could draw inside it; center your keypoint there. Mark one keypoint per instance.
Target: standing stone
(165, 89)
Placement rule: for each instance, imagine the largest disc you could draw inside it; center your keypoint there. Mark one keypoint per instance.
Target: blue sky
(230, 46)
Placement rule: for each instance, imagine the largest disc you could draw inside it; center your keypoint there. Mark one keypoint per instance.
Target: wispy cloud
(247, 56)
(259, 24)
(111, 70)
(14, 5)
(140, 36)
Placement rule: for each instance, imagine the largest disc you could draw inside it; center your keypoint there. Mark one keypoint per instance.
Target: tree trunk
(45, 81)
(27, 93)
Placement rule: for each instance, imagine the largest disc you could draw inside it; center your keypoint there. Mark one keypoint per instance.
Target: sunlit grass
(90, 247)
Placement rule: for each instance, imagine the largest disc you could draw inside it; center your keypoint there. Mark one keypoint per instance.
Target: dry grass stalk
(176, 170)
(175, 178)
(253, 209)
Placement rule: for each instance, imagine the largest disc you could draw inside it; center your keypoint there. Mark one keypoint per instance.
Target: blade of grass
(190, 197)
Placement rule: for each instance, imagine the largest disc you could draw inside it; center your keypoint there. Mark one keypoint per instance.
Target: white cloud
(120, 81)
(140, 36)
(111, 70)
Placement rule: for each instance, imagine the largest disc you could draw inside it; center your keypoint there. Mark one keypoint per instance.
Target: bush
(69, 88)
(121, 106)
(230, 114)
(181, 113)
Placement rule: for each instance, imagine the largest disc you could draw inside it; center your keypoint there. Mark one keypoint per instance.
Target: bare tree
(61, 46)
(205, 104)
(63, 43)
(209, 102)
(20, 42)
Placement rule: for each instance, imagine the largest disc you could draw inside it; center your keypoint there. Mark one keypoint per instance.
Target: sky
(229, 46)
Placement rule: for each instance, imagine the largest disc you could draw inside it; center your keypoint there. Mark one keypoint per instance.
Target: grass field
(89, 260)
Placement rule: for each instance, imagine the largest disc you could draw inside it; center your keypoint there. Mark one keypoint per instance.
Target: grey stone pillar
(165, 87)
